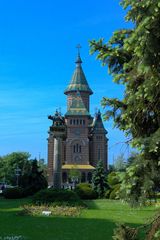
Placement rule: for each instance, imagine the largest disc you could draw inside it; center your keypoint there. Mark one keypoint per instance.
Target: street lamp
(17, 173)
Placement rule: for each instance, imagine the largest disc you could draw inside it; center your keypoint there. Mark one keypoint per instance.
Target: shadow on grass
(56, 228)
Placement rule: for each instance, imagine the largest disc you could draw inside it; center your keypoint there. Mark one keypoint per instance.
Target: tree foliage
(99, 179)
(133, 59)
(31, 175)
(151, 231)
(120, 163)
(113, 181)
(74, 174)
(33, 180)
(10, 162)
(140, 181)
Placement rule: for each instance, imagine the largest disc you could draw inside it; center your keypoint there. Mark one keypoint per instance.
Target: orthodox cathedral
(84, 141)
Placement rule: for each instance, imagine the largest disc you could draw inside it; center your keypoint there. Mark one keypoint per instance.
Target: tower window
(99, 137)
(83, 177)
(80, 121)
(71, 121)
(74, 121)
(77, 121)
(77, 148)
(99, 154)
(64, 177)
(89, 177)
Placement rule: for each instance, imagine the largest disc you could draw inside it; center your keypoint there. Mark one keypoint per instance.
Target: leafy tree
(10, 162)
(43, 167)
(99, 179)
(151, 231)
(33, 180)
(113, 181)
(120, 163)
(111, 168)
(140, 182)
(131, 158)
(2, 174)
(74, 174)
(30, 177)
(133, 59)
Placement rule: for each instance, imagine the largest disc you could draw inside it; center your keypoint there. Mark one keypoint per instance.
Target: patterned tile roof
(97, 126)
(78, 82)
(77, 107)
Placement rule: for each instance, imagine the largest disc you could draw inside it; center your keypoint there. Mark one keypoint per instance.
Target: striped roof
(77, 107)
(78, 82)
(97, 125)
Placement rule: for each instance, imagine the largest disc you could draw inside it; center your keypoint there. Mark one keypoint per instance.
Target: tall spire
(78, 47)
(98, 126)
(78, 82)
(78, 60)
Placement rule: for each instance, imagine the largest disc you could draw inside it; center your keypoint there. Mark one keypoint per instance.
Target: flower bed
(53, 210)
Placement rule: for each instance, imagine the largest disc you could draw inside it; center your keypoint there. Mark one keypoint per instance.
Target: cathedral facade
(85, 142)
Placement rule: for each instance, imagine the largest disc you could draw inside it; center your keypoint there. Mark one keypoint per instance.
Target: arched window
(99, 153)
(89, 177)
(77, 148)
(64, 177)
(83, 177)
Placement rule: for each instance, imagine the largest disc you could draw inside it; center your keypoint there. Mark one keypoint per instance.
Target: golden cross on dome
(78, 47)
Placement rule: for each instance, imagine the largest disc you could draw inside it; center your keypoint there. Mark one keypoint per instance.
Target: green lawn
(95, 223)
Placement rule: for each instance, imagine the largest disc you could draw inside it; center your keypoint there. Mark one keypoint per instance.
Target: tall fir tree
(133, 59)
(99, 180)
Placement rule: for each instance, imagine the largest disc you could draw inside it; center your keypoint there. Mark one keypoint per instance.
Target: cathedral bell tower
(85, 141)
(78, 84)
(77, 117)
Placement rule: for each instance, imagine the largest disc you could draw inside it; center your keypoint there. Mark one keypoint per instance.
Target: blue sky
(37, 53)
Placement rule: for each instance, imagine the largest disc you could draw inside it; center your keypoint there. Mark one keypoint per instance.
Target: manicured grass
(95, 223)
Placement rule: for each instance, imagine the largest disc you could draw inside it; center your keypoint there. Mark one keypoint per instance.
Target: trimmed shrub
(85, 191)
(13, 193)
(59, 197)
(28, 192)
